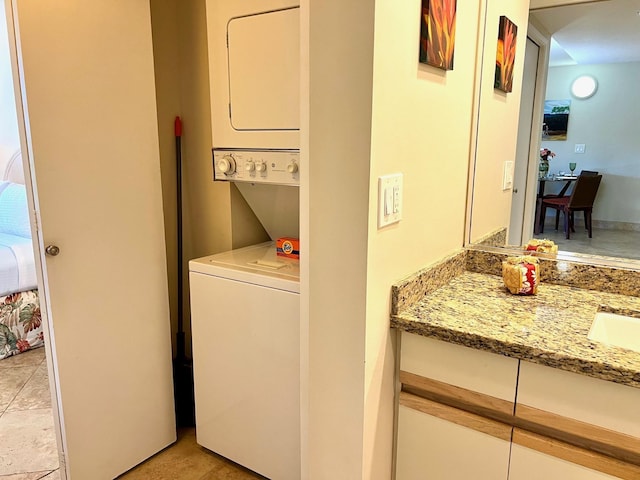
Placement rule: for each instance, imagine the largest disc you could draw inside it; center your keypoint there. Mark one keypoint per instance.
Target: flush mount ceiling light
(584, 86)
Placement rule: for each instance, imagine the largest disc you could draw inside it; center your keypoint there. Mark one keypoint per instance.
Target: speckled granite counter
(475, 310)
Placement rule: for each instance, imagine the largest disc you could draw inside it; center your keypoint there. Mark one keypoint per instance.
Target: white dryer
(254, 73)
(245, 312)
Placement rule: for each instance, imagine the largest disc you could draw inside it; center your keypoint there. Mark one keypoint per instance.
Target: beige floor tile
(185, 460)
(11, 382)
(35, 393)
(28, 442)
(26, 359)
(28, 476)
(55, 475)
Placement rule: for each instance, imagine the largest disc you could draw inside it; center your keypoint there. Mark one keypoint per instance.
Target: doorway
(534, 84)
(519, 225)
(28, 444)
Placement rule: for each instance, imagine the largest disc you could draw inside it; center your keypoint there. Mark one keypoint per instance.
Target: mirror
(611, 151)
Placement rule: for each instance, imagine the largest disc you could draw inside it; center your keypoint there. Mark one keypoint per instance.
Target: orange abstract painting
(438, 33)
(506, 54)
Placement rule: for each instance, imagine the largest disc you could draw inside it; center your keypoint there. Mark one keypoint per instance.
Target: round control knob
(52, 250)
(292, 167)
(227, 165)
(249, 166)
(261, 167)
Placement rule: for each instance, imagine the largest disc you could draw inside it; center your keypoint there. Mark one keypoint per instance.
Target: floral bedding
(20, 323)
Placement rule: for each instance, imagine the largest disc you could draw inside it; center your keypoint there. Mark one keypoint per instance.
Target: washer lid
(257, 264)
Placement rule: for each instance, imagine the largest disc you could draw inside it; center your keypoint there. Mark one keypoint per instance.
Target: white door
(89, 98)
(523, 145)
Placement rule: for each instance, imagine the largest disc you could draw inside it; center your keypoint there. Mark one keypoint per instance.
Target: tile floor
(28, 449)
(610, 243)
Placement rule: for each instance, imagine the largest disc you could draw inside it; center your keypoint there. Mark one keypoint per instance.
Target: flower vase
(543, 169)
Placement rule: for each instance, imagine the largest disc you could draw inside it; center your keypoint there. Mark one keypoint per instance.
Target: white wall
(382, 113)
(421, 125)
(607, 124)
(336, 74)
(8, 119)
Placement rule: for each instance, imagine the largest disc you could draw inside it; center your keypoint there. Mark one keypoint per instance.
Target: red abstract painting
(438, 33)
(506, 54)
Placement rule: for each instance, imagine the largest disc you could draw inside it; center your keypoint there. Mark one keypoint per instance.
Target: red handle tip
(178, 127)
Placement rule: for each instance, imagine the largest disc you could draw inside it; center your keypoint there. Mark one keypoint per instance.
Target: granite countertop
(550, 328)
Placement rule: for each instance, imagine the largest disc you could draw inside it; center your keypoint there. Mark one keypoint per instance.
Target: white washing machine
(245, 314)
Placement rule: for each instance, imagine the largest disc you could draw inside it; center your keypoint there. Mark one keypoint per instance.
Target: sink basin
(618, 330)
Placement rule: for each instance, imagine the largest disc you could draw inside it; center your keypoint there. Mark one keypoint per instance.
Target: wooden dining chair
(588, 173)
(581, 200)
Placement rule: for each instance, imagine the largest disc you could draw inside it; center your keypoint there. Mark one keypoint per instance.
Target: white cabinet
(599, 416)
(437, 441)
(458, 418)
(528, 464)
(475, 370)
(434, 448)
(590, 400)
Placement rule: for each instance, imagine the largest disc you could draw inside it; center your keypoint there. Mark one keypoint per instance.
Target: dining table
(542, 183)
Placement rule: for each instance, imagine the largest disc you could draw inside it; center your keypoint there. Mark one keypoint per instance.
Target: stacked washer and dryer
(245, 306)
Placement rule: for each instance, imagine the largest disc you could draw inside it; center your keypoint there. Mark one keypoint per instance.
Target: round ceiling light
(584, 86)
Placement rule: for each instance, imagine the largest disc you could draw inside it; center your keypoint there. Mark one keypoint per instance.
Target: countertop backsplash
(611, 279)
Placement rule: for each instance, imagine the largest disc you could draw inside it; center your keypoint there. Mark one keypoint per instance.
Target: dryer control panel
(278, 167)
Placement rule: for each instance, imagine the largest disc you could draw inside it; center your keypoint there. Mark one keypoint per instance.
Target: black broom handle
(180, 338)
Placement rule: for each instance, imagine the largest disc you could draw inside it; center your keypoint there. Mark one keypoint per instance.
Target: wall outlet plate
(389, 199)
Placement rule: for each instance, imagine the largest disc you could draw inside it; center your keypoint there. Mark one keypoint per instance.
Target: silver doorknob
(52, 250)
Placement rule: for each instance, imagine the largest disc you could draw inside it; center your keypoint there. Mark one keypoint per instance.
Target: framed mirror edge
(543, 39)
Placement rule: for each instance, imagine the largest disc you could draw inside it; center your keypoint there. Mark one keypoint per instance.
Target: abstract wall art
(506, 54)
(438, 33)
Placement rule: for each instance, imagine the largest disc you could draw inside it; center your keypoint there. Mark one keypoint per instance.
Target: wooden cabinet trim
(577, 455)
(458, 397)
(454, 415)
(470, 409)
(581, 434)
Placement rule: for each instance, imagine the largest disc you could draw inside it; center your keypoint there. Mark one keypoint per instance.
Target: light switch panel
(579, 148)
(389, 199)
(507, 175)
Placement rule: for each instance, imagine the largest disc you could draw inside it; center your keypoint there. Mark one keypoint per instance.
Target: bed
(20, 318)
